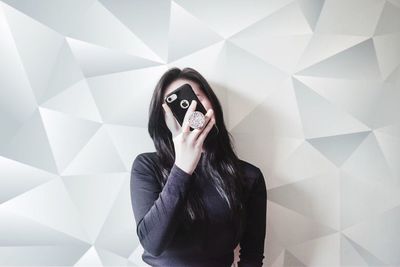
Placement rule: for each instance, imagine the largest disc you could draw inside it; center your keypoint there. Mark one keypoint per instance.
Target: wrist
(183, 168)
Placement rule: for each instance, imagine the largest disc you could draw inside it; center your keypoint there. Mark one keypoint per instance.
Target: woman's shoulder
(251, 172)
(147, 155)
(145, 160)
(249, 168)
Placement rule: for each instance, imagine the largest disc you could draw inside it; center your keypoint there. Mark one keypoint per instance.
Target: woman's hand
(188, 144)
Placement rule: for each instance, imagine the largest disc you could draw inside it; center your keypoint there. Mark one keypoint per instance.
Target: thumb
(166, 108)
(170, 120)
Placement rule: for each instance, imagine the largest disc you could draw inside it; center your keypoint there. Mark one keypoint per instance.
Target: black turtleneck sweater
(168, 241)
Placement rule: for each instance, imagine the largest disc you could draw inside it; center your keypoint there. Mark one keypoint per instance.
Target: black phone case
(179, 106)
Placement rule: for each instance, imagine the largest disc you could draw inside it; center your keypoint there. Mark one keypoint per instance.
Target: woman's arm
(251, 251)
(157, 212)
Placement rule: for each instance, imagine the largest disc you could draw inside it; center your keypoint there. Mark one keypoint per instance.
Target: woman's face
(196, 88)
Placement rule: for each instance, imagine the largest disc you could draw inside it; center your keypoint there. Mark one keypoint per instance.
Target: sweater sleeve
(157, 211)
(251, 253)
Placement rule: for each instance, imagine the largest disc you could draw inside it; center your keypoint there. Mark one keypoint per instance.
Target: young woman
(193, 199)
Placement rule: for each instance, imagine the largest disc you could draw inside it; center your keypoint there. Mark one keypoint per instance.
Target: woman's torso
(201, 241)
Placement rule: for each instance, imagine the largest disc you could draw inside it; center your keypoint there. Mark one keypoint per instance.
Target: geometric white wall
(310, 91)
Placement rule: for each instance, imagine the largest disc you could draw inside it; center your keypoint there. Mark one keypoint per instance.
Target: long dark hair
(219, 162)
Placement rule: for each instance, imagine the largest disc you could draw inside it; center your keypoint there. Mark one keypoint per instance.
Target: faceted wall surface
(310, 91)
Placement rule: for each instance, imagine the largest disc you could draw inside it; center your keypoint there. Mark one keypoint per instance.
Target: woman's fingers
(166, 108)
(207, 116)
(189, 111)
(204, 133)
(170, 120)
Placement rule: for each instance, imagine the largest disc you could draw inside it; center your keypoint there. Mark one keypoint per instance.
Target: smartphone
(179, 101)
